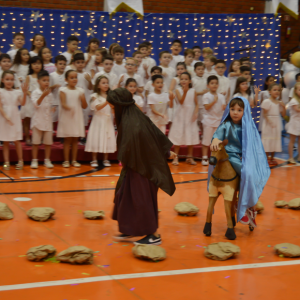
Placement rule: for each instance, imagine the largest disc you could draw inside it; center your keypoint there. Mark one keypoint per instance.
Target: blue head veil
(255, 170)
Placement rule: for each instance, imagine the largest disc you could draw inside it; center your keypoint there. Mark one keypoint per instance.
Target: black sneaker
(149, 240)
(122, 237)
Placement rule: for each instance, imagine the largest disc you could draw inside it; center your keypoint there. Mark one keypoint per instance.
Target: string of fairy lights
(230, 36)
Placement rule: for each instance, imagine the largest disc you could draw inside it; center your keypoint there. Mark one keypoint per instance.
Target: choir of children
(181, 90)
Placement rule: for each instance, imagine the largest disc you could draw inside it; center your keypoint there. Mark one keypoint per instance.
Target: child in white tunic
(101, 136)
(71, 121)
(10, 119)
(158, 102)
(272, 124)
(293, 126)
(21, 65)
(41, 121)
(131, 86)
(184, 130)
(233, 74)
(36, 66)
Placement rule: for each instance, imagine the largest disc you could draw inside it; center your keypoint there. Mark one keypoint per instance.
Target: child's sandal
(6, 166)
(190, 161)
(20, 165)
(175, 161)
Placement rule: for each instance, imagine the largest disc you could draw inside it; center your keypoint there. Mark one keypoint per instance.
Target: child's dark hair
(221, 61)
(244, 69)
(156, 68)
(143, 45)
(42, 74)
(129, 80)
(78, 56)
(68, 72)
(237, 101)
(212, 77)
(34, 37)
(177, 41)
(237, 86)
(34, 60)
(93, 40)
(17, 34)
(196, 47)
(155, 77)
(41, 51)
(199, 64)
(163, 52)
(297, 75)
(96, 88)
(60, 58)
(72, 38)
(231, 65)
(118, 49)
(136, 53)
(181, 63)
(108, 57)
(266, 80)
(189, 51)
(272, 85)
(185, 73)
(147, 43)
(112, 46)
(18, 57)
(3, 74)
(3, 56)
(243, 59)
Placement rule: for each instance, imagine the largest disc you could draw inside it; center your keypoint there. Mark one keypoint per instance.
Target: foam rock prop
(40, 252)
(221, 251)
(186, 208)
(76, 255)
(149, 252)
(287, 250)
(93, 215)
(281, 204)
(294, 204)
(5, 212)
(41, 214)
(259, 207)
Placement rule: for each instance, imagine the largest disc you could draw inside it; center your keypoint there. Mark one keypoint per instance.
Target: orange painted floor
(182, 238)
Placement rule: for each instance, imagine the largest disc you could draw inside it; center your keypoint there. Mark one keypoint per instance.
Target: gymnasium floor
(257, 273)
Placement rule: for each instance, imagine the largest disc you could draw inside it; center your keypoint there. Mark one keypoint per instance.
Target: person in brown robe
(143, 150)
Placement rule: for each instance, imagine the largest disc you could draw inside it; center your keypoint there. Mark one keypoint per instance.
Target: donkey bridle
(225, 180)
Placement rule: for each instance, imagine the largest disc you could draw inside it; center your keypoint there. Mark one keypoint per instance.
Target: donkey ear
(225, 142)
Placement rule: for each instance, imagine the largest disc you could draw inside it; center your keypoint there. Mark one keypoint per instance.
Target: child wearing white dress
(293, 126)
(233, 75)
(184, 130)
(98, 64)
(90, 54)
(71, 120)
(41, 121)
(159, 102)
(131, 86)
(35, 66)
(38, 42)
(10, 119)
(242, 89)
(272, 124)
(21, 65)
(46, 54)
(101, 136)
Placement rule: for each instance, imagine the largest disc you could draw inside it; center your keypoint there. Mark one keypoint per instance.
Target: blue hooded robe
(244, 142)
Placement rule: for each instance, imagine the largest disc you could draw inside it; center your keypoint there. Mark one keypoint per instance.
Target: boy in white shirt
(214, 104)
(209, 62)
(167, 72)
(141, 67)
(147, 62)
(158, 102)
(199, 83)
(176, 48)
(291, 95)
(150, 61)
(131, 65)
(72, 45)
(5, 65)
(189, 56)
(119, 63)
(224, 82)
(108, 63)
(197, 52)
(19, 42)
(57, 80)
(41, 121)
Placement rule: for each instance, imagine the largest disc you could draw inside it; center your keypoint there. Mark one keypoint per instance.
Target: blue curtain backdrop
(225, 34)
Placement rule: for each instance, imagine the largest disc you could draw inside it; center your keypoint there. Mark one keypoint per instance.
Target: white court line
(100, 175)
(81, 176)
(186, 173)
(5, 178)
(53, 176)
(28, 177)
(146, 275)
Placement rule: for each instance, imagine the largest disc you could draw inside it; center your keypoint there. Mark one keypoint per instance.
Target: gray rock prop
(5, 212)
(287, 250)
(281, 203)
(294, 204)
(259, 207)
(149, 252)
(186, 208)
(40, 252)
(221, 251)
(41, 214)
(76, 255)
(93, 215)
